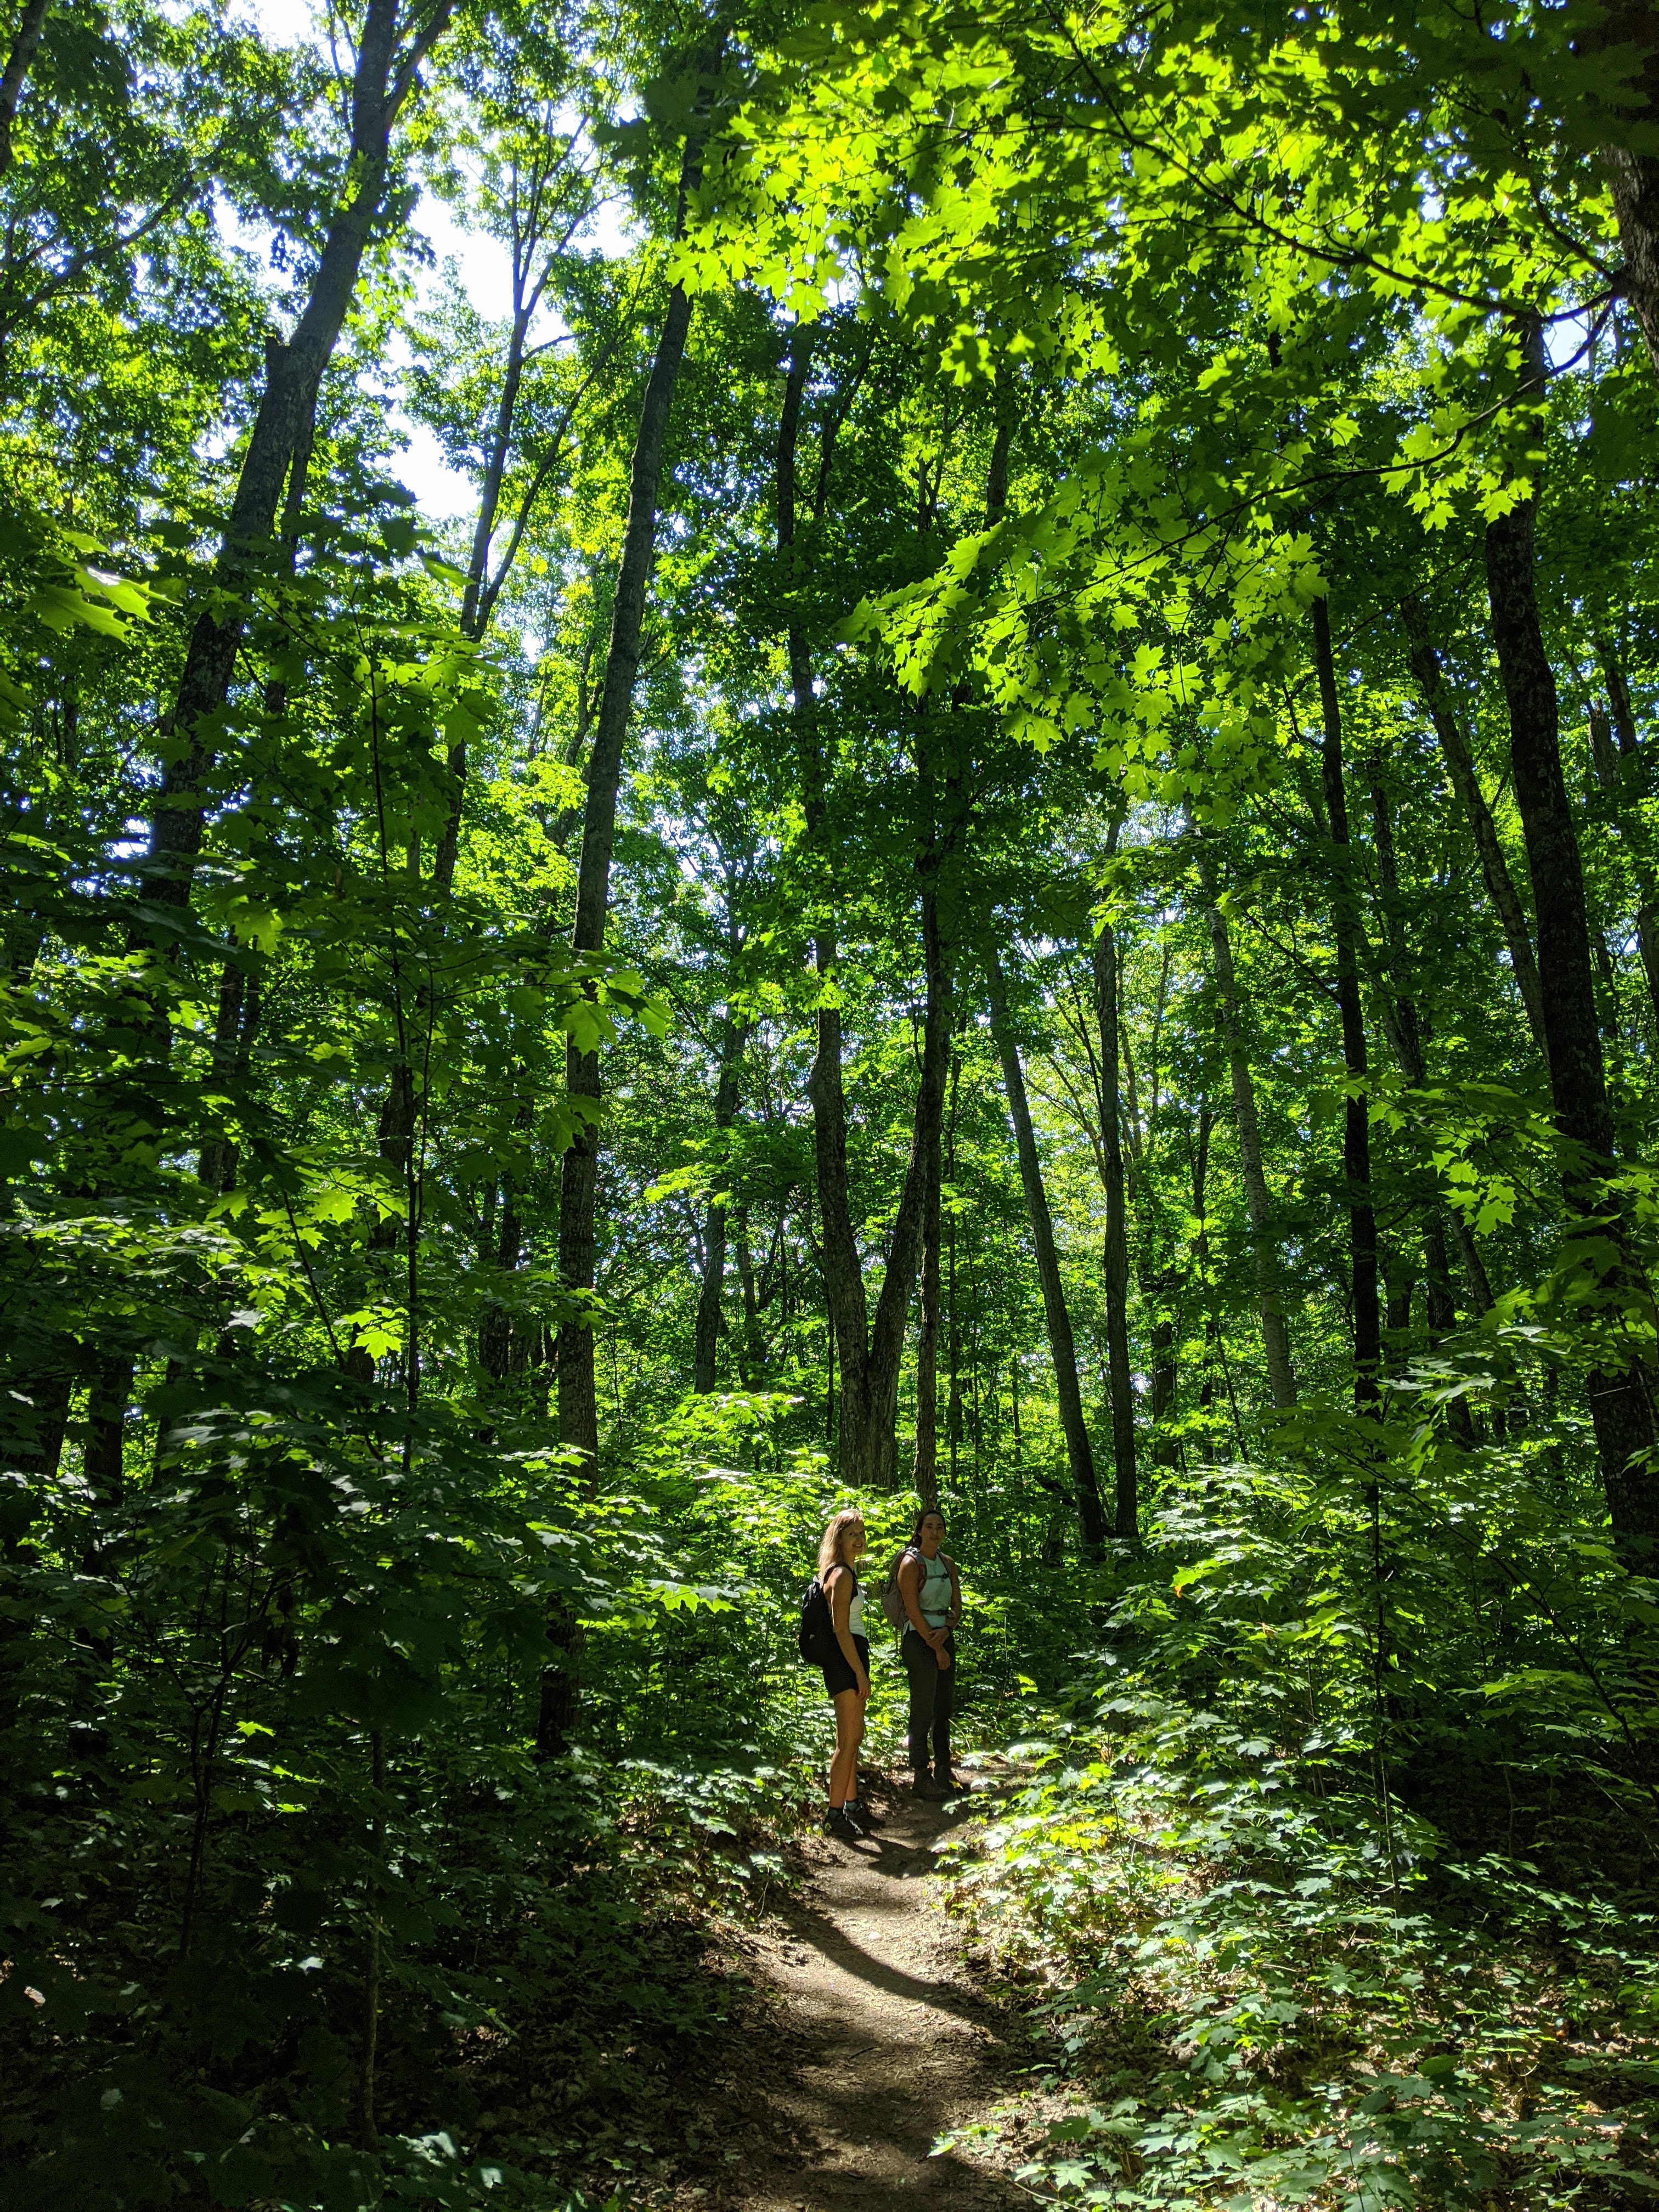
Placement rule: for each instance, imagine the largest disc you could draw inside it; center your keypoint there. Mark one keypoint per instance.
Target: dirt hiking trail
(866, 2044)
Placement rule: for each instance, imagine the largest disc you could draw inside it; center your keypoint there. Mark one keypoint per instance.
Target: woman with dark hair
(930, 1592)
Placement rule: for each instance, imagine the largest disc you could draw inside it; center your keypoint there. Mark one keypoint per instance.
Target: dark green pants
(932, 1701)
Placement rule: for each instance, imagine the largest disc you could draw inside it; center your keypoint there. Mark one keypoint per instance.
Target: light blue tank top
(934, 1597)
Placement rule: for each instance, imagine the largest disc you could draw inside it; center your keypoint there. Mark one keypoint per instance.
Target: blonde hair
(834, 1537)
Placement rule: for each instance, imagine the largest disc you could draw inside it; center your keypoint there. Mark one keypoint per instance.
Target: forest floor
(860, 2040)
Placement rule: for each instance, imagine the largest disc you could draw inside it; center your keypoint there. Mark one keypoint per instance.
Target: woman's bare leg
(849, 1734)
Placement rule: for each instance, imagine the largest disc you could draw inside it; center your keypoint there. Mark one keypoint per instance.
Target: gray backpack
(892, 1598)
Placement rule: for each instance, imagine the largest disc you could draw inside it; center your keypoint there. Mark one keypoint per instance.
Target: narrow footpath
(867, 2044)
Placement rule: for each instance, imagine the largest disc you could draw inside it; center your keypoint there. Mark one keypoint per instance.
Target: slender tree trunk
(381, 84)
(474, 606)
(1200, 1250)
(1440, 1307)
(924, 1472)
(1482, 1298)
(30, 26)
(953, 1400)
(1634, 176)
(482, 589)
(752, 1349)
(870, 1415)
(1063, 1348)
(1630, 772)
(1619, 704)
(705, 1353)
(1620, 1405)
(234, 1030)
(368, 2134)
(1400, 1284)
(1356, 1136)
(869, 1352)
(1258, 1206)
(1120, 1382)
(34, 1409)
(1608, 775)
(496, 1330)
(1405, 1029)
(1158, 1287)
(1466, 783)
(104, 1458)
(579, 1414)
(843, 1272)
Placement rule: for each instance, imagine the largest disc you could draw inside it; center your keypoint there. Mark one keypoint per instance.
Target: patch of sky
(442, 494)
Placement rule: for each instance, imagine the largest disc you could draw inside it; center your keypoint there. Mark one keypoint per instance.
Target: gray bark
(1061, 1344)
(1258, 1206)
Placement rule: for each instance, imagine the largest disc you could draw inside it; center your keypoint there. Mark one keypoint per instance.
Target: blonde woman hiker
(836, 1638)
(930, 1592)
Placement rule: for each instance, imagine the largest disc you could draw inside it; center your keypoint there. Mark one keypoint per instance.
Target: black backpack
(817, 1634)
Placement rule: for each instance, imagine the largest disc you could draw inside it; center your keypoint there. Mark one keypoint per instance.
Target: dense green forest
(1011, 859)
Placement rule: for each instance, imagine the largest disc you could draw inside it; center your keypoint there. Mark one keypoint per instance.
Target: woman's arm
(955, 1613)
(841, 1607)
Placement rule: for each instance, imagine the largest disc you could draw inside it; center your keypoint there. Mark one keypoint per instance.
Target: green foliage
(1297, 1936)
(381, 1775)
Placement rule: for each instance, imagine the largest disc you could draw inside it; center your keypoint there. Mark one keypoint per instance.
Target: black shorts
(838, 1675)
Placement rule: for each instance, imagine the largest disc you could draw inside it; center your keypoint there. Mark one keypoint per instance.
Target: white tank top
(855, 1610)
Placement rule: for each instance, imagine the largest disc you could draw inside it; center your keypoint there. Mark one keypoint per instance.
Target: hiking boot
(866, 1817)
(947, 1785)
(928, 1789)
(837, 1823)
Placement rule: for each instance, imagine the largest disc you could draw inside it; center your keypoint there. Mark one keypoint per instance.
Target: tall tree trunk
(869, 1353)
(1356, 1134)
(1120, 1382)
(706, 1350)
(751, 1344)
(1482, 1297)
(1466, 783)
(1620, 1404)
(953, 1399)
(1258, 1206)
(484, 587)
(862, 1455)
(1619, 704)
(1405, 1029)
(1627, 784)
(103, 1460)
(1061, 1346)
(1158, 1287)
(1608, 775)
(31, 24)
(843, 1273)
(34, 1409)
(578, 1413)
(869, 1403)
(498, 1332)
(1201, 1251)
(924, 1476)
(234, 1030)
(1634, 176)
(381, 84)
